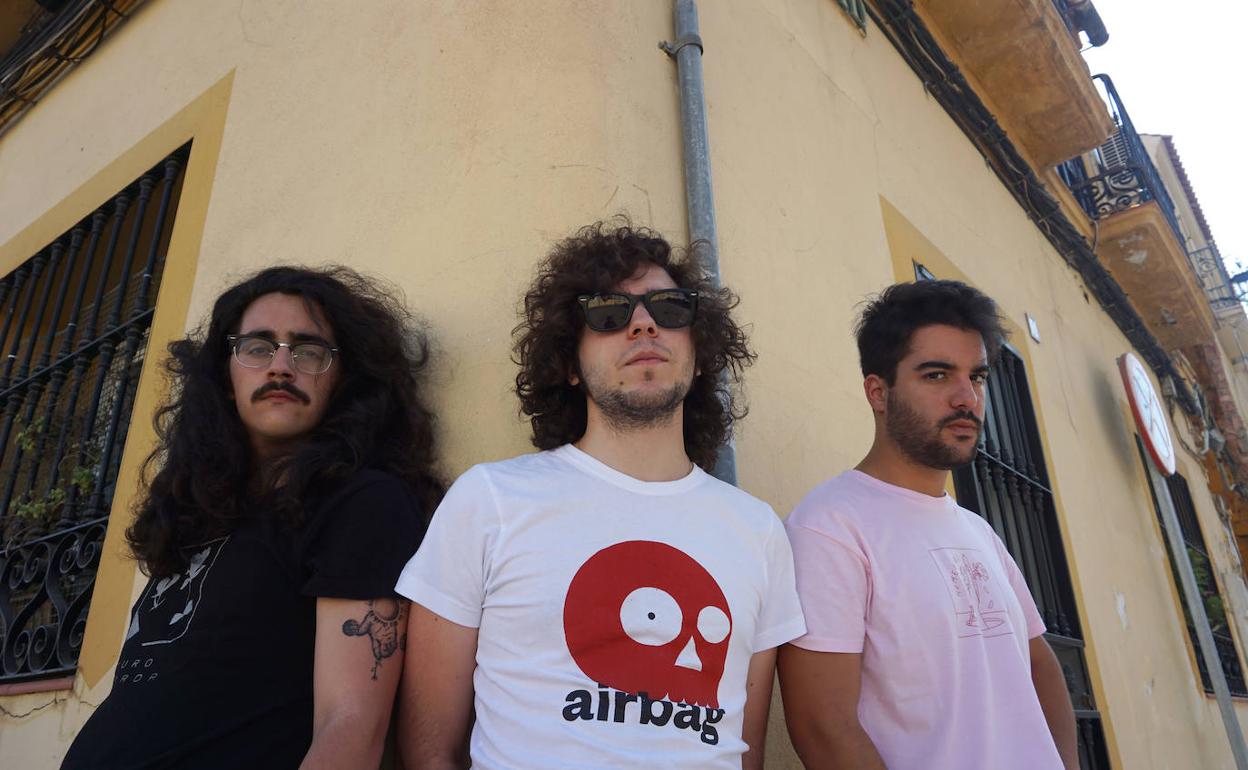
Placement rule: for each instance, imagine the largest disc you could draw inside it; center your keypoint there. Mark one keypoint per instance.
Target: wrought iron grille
(1215, 608)
(1008, 484)
(1211, 272)
(74, 322)
(1123, 175)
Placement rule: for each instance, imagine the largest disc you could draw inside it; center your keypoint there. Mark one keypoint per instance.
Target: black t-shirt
(216, 669)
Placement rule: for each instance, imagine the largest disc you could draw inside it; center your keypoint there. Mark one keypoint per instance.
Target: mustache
(962, 415)
(282, 385)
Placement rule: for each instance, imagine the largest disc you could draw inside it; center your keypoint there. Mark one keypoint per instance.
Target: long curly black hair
(598, 258)
(207, 477)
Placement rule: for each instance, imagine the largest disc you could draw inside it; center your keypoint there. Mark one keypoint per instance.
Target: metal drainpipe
(686, 49)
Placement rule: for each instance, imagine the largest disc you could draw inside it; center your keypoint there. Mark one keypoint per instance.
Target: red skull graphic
(645, 617)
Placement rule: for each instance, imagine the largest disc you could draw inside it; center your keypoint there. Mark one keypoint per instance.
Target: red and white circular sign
(1149, 412)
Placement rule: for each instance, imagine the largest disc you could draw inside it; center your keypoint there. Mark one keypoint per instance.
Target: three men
(295, 460)
(924, 648)
(604, 602)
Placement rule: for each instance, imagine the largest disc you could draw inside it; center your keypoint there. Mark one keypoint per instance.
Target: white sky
(1180, 69)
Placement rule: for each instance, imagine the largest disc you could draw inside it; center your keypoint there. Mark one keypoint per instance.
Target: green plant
(77, 472)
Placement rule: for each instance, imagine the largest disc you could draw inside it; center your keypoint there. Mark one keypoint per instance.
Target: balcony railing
(1119, 174)
(1211, 272)
(1081, 16)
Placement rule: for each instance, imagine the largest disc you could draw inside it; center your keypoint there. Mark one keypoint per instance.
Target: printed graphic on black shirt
(167, 607)
(980, 608)
(646, 620)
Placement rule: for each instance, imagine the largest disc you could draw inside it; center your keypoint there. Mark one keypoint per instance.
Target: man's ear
(876, 391)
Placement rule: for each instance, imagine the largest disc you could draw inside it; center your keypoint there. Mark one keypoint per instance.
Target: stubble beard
(630, 411)
(920, 441)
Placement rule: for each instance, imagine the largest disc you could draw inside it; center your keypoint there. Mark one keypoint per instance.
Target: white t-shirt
(590, 588)
(926, 591)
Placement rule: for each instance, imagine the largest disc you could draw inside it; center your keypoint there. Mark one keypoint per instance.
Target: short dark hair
(891, 318)
(598, 258)
(207, 477)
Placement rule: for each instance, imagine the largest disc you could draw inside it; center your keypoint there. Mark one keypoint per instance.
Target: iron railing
(1082, 17)
(1008, 484)
(1211, 272)
(74, 322)
(1121, 174)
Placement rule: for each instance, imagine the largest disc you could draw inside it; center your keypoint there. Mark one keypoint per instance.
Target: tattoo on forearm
(385, 625)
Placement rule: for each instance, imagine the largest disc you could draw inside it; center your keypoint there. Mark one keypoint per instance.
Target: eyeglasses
(611, 311)
(307, 357)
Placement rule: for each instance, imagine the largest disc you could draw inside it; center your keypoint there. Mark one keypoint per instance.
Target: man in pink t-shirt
(924, 648)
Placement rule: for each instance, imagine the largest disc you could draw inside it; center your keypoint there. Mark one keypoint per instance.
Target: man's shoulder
(372, 479)
(737, 500)
(521, 468)
(830, 503)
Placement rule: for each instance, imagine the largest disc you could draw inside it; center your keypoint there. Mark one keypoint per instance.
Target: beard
(920, 441)
(626, 411)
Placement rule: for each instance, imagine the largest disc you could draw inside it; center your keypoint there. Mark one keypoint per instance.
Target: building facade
(446, 145)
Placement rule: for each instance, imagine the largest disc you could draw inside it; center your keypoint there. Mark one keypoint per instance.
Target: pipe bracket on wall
(673, 48)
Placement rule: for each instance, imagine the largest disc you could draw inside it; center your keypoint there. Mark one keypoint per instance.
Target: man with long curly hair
(292, 477)
(605, 602)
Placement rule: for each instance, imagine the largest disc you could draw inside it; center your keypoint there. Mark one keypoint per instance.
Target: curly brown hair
(597, 259)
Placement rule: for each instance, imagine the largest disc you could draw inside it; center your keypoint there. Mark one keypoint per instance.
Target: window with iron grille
(1215, 609)
(1008, 484)
(74, 323)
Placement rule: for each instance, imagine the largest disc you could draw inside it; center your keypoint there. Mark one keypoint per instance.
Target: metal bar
(55, 251)
(122, 386)
(98, 220)
(81, 362)
(36, 267)
(686, 49)
(120, 204)
(1196, 607)
(173, 164)
(127, 261)
(71, 255)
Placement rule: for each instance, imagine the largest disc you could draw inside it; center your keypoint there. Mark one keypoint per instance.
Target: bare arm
(437, 694)
(356, 671)
(820, 691)
(1050, 684)
(757, 706)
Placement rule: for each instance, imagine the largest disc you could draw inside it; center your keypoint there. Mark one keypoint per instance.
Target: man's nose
(282, 364)
(966, 395)
(642, 323)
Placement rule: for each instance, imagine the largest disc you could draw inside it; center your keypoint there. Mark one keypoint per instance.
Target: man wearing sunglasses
(294, 463)
(605, 602)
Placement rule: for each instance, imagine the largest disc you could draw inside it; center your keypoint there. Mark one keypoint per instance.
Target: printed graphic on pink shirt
(644, 617)
(980, 609)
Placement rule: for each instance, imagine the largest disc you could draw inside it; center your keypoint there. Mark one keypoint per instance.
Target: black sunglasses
(611, 311)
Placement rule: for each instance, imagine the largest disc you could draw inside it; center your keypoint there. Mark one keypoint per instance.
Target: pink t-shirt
(926, 591)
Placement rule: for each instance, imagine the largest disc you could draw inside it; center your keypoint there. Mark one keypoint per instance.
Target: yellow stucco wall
(445, 145)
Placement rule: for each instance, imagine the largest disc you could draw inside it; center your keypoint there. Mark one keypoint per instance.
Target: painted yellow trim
(203, 122)
(908, 245)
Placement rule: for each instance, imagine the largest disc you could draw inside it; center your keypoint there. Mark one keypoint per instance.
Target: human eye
(311, 352)
(980, 378)
(255, 346)
(934, 376)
